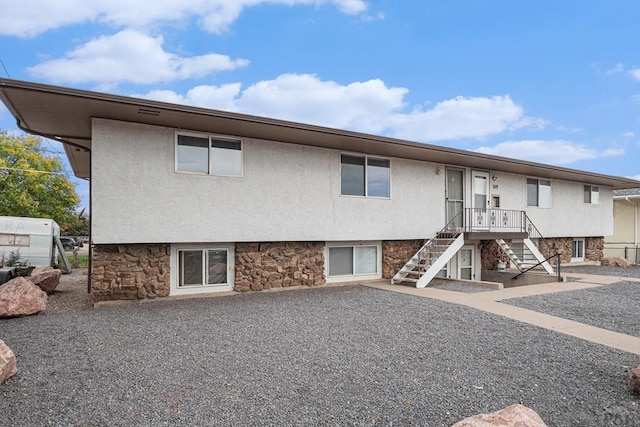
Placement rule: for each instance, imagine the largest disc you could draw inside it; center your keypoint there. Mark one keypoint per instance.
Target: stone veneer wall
(593, 251)
(278, 264)
(396, 253)
(490, 254)
(130, 271)
(593, 248)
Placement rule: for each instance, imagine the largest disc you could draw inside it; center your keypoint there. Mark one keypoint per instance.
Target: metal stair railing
(426, 252)
(529, 227)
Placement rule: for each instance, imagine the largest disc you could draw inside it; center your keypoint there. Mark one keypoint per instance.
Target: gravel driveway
(328, 356)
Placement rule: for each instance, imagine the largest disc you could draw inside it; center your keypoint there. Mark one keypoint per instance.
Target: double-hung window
(365, 176)
(539, 193)
(208, 155)
(591, 194)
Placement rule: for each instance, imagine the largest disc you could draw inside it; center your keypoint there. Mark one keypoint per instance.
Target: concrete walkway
(490, 302)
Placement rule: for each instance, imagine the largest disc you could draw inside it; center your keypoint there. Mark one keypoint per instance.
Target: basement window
(353, 261)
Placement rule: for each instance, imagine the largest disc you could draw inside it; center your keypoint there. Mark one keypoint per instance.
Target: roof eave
(65, 115)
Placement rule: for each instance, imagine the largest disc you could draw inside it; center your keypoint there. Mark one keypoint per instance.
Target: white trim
(353, 277)
(174, 289)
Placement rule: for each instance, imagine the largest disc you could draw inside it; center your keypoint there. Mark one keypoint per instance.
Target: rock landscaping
(23, 296)
(514, 415)
(8, 366)
(634, 381)
(20, 297)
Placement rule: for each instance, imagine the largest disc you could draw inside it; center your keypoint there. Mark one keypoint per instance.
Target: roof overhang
(65, 115)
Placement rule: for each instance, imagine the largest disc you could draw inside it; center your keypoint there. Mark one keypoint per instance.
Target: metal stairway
(475, 224)
(432, 257)
(525, 255)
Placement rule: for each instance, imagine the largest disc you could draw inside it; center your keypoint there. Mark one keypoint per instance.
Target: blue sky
(546, 81)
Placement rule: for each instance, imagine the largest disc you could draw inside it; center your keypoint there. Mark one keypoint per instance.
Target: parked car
(68, 242)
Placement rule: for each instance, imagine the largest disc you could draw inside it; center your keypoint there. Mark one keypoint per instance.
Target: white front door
(455, 195)
(480, 200)
(465, 263)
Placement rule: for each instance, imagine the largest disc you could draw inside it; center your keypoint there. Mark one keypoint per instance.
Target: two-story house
(188, 200)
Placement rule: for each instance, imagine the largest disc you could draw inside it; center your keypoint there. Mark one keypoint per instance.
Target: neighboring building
(33, 239)
(187, 200)
(625, 241)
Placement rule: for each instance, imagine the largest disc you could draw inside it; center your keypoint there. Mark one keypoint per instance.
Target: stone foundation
(396, 253)
(278, 264)
(593, 248)
(130, 272)
(593, 251)
(490, 254)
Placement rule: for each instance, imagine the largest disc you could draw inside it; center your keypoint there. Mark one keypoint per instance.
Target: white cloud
(555, 152)
(629, 134)
(635, 73)
(368, 106)
(130, 56)
(617, 69)
(28, 18)
(215, 97)
(460, 117)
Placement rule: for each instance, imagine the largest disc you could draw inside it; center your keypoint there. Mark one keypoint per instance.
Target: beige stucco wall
(288, 193)
(624, 230)
(568, 216)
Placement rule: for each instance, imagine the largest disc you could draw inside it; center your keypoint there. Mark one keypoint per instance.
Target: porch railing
(473, 219)
(498, 220)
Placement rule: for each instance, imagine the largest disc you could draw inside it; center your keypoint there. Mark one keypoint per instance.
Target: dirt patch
(71, 294)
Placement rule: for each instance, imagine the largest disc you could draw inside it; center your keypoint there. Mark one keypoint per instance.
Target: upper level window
(365, 176)
(208, 154)
(539, 193)
(591, 194)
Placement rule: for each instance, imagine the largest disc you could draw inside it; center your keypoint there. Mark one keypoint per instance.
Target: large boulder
(514, 415)
(20, 297)
(40, 269)
(8, 367)
(634, 381)
(47, 280)
(615, 262)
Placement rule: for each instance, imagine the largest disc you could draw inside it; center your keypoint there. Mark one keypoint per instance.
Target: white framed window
(353, 261)
(591, 194)
(202, 268)
(577, 250)
(207, 154)
(539, 192)
(365, 176)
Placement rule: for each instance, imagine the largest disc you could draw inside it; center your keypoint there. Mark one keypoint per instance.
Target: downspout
(635, 221)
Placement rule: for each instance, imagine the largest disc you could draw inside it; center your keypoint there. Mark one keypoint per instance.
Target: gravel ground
(632, 271)
(70, 294)
(328, 356)
(613, 307)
